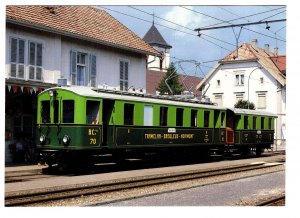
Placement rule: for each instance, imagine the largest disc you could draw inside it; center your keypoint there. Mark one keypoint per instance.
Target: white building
(252, 74)
(83, 45)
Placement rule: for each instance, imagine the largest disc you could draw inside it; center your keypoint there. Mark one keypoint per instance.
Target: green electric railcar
(77, 123)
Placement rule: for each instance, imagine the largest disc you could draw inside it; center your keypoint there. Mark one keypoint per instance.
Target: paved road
(223, 194)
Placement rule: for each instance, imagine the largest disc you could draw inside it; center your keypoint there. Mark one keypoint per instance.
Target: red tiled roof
(280, 62)
(80, 21)
(153, 79)
(247, 52)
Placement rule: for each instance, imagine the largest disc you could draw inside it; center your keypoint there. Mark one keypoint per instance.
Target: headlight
(51, 93)
(42, 139)
(66, 139)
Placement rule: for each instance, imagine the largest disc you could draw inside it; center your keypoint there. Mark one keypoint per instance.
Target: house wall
(154, 62)
(107, 64)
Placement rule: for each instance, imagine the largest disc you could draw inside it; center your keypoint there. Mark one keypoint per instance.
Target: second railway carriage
(77, 123)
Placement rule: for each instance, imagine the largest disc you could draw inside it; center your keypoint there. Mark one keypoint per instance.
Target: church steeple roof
(154, 38)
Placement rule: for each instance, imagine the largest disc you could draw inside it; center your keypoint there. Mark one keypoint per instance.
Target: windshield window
(68, 111)
(45, 112)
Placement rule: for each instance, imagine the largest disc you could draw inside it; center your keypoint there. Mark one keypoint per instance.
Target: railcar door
(107, 117)
(230, 127)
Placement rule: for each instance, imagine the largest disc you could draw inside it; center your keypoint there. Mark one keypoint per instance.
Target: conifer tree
(173, 82)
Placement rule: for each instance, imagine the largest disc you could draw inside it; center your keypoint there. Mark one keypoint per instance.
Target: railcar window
(179, 117)
(270, 123)
(254, 122)
(45, 111)
(128, 114)
(92, 112)
(68, 111)
(56, 111)
(206, 118)
(245, 122)
(148, 116)
(262, 123)
(237, 120)
(193, 118)
(163, 116)
(222, 119)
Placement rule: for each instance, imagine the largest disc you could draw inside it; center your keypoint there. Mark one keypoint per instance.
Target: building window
(261, 80)
(261, 101)
(124, 75)
(35, 59)
(17, 58)
(219, 99)
(83, 69)
(19, 52)
(239, 79)
(218, 84)
(238, 97)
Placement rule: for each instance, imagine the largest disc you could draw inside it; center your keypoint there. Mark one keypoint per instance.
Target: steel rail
(58, 193)
(271, 201)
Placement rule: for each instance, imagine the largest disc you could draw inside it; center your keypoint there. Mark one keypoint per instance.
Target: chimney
(267, 47)
(254, 43)
(275, 51)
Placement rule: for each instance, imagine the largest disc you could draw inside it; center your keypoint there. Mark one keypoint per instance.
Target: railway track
(29, 197)
(275, 201)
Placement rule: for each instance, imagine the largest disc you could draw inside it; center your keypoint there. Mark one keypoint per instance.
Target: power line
(230, 12)
(179, 25)
(236, 19)
(164, 26)
(228, 21)
(240, 25)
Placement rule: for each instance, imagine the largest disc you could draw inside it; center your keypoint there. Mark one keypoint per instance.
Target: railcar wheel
(258, 152)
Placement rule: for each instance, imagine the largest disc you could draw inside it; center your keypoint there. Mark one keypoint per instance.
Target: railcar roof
(252, 112)
(110, 94)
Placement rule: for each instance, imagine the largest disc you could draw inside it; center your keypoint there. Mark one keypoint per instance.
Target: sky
(177, 23)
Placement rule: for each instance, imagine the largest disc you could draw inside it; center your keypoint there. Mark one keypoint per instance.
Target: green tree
(172, 80)
(244, 104)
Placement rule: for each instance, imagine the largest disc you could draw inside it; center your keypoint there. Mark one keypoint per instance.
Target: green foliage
(244, 104)
(173, 82)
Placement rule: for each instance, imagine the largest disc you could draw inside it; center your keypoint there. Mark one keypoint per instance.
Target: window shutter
(93, 70)
(73, 56)
(126, 70)
(121, 70)
(13, 50)
(21, 52)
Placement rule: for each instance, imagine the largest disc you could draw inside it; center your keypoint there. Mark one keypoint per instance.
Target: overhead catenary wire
(174, 30)
(165, 27)
(244, 18)
(231, 23)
